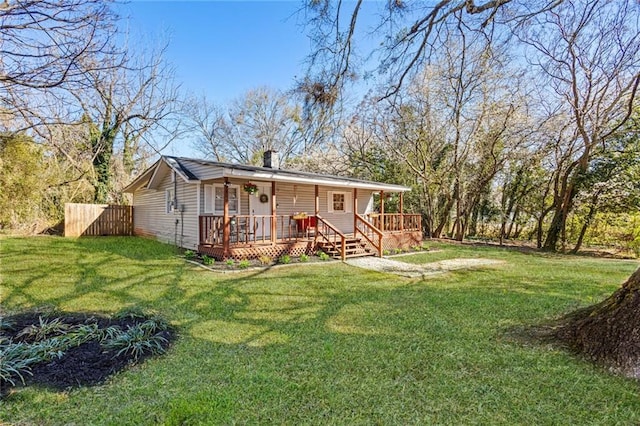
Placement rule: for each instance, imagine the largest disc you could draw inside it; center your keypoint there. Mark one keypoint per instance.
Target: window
(214, 199)
(338, 202)
(170, 198)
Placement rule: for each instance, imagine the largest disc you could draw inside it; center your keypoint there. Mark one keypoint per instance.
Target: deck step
(354, 247)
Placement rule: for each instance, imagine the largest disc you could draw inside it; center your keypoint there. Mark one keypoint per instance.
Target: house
(231, 211)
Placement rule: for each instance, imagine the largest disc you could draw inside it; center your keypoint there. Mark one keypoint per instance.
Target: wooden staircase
(354, 247)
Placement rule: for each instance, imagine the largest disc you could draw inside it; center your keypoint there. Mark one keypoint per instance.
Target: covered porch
(231, 235)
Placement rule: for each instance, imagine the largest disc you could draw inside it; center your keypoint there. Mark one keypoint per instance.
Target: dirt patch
(86, 364)
(424, 270)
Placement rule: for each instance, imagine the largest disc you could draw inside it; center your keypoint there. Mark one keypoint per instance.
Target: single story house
(231, 211)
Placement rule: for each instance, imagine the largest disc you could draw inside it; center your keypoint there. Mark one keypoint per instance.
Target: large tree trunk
(609, 332)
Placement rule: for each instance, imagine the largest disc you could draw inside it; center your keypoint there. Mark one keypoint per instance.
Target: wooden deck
(249, 237)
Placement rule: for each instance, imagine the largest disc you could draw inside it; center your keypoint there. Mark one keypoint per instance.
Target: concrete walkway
(411, 270)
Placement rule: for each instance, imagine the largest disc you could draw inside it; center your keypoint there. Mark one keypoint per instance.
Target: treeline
(509, 119)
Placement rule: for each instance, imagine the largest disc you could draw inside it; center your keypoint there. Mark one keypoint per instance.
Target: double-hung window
(170, 197)
(214, 199)
(339, 202)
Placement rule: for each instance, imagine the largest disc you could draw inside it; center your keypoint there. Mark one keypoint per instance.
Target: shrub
(229, 262)
(386, 252)
(189, 254)
(398, 251)
(304, 258)
(207, 260)
(284, 259)
(416, 248)
(265, 260)
(243, 264)
(323, 256)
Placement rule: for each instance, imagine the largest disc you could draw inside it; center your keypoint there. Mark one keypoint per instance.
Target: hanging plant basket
(250, 188)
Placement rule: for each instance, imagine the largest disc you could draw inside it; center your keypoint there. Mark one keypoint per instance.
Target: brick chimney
(271, 159)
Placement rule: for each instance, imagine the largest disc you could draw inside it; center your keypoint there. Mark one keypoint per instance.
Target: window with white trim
(339, 202)
(214, 199)
(170, 197)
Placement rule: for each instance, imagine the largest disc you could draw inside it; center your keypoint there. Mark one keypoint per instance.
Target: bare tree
(120, 106)
(208, 122)
(455, 126)
(45, 42)
(407, 35)
(262, 119)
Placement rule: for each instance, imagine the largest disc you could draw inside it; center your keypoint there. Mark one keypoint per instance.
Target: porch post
(382, 211)
(355, 210)
(201, 231)
(401, 212)
(317, 211)
(274, 219)
(226, 223)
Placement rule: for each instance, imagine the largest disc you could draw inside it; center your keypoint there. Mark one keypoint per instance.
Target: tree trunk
(516, 213)
(587, 222)
(608, 333)
(103, 152)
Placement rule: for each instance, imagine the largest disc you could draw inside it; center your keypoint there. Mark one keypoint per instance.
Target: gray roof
(181, 165)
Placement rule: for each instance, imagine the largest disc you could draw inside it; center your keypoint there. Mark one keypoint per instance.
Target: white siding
(150, 218)
(179, 227)
(301, 198)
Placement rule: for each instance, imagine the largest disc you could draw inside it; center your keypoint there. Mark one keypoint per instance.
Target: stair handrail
(373, 229)
(343, 246)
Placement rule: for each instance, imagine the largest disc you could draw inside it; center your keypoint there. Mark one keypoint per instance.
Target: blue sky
(224, 48)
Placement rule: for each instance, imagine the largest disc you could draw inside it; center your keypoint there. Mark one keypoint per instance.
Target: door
(259, 206)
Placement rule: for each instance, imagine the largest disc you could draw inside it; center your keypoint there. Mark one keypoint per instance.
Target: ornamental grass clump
(47, 350)
(44, 328)
(15, 361)
(136, 341)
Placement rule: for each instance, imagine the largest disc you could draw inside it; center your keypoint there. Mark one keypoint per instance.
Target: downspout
(175, 207)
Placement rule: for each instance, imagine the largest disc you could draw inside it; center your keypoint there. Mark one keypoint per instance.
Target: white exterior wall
(342, 220)
(150, 218)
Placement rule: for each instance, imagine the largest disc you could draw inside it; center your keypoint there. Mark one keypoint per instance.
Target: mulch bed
(85, 365)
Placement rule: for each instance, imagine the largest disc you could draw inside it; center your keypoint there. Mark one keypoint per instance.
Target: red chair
(306, 225)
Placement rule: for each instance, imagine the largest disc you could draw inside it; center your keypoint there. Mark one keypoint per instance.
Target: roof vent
(271, 159)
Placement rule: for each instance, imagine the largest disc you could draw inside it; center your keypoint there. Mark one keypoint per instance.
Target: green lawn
(324, 343)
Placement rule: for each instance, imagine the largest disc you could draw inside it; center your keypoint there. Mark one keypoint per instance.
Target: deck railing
(247, 229)
(331, 235)
(369, 232)
(395, 222)
(251, 229)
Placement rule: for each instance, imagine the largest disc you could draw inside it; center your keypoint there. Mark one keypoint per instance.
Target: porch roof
(195, 170)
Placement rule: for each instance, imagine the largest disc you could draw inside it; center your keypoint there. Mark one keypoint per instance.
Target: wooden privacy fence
(97, 219)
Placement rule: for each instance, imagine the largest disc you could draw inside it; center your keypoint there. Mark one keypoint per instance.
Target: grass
(324, 344)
